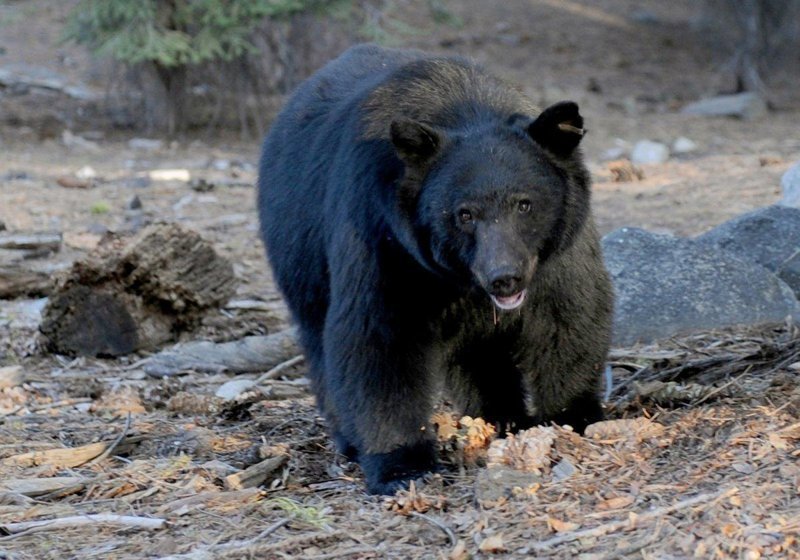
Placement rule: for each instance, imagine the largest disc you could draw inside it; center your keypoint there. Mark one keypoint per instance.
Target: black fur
(404, 201)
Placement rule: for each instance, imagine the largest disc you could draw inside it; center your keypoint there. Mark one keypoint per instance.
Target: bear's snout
(505, 281)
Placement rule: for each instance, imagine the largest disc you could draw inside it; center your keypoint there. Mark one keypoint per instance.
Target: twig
(436, 523)
(135, 522)
(722, 387)
(114, 444)
(274, 372)
(49, 406)
(613, 526)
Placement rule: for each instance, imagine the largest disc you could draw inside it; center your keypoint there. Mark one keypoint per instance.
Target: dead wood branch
(41, 241)
(114, 444)
(41, 486)
(250, 354)
(65, 458)
(280, 368)
(129, 521)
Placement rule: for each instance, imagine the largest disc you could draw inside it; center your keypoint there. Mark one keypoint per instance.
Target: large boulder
(769, 236)
(668, 285)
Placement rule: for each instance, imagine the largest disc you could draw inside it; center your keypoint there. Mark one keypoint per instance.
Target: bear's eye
(524, 206)
(465, 216)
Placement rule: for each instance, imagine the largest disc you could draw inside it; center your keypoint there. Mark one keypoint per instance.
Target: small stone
(234, 388)
(2, 225)
(790, 185)
(683, 145)
(145, 144)
(563, 470)
(135, 203)
(221, 164)
(647, 151)
(86, 172)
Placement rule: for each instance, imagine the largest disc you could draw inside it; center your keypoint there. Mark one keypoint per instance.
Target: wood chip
(492, 544)
(256, 474)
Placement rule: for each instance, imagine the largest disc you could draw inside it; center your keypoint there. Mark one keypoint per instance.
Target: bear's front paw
(386, 473)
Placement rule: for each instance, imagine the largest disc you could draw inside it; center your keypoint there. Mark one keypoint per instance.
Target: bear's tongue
(507, 303)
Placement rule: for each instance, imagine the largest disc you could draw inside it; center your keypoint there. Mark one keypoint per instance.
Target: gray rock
(563, 470)
(232, 389)
(790, 185)
(667, 285)
(646, 151)
(768, 236)
(747, 105)
(683, 145)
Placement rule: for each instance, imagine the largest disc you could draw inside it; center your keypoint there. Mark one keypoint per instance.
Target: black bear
(430, 229)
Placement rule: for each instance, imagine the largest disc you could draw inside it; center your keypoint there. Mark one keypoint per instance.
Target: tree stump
(135, 295)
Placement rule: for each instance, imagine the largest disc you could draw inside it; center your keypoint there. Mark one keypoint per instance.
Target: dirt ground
(713, 470)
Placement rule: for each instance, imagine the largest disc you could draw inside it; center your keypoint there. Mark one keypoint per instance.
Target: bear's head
(492, 202)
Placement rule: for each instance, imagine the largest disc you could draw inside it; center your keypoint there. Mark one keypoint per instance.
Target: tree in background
(238, 49)
(759, 30)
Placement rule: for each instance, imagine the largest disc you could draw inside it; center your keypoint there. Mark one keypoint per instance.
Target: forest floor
(711, 471)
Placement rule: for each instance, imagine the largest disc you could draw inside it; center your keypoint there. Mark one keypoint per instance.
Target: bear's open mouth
(506, 303)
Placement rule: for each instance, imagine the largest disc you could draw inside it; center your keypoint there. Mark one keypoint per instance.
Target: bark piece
(136, 295)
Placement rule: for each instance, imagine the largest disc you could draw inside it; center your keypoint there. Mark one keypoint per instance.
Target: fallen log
(127, 521)
(135, 295)
(36, 241)
(17, 281)
(247, 355)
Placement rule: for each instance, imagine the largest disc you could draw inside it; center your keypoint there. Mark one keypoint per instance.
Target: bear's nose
(505, 282)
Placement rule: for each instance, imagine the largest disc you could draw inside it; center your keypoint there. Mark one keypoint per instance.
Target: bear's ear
(559, 128)
(416, 144)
